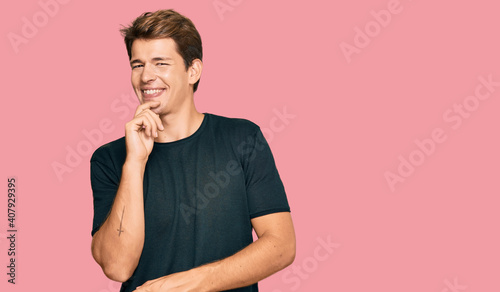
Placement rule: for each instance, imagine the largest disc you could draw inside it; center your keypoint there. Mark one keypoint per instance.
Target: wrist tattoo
(120, 230)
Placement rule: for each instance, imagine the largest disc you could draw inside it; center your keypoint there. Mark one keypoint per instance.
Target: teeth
(152, 91)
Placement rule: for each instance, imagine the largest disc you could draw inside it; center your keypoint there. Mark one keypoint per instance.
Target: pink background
(355, 117)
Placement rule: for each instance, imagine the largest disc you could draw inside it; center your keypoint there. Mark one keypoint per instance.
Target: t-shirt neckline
(188, 138)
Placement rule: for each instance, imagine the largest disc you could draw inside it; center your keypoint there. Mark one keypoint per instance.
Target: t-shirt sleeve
(105, 182)
(265, 190)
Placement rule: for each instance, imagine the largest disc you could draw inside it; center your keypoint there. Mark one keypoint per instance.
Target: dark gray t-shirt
(199, 195)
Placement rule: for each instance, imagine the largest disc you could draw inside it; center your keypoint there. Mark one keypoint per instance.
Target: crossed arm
(117, 246)
(272, 251)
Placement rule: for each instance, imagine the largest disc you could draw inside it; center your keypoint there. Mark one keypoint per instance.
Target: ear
(194, 71)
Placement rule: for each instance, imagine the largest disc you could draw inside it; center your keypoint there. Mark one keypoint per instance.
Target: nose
(148, 74)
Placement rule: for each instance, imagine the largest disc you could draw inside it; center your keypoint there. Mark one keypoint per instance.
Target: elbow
(118, 274)
(287, 255)
(292, 255)
(115, 270)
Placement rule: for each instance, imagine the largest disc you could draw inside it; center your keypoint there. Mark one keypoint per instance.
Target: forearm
(264, 257)
(118, 244)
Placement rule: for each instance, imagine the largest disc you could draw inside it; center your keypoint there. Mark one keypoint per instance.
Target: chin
(157, 110)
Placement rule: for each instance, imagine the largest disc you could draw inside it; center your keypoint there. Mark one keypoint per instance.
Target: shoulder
(236, 126)
(110, 153)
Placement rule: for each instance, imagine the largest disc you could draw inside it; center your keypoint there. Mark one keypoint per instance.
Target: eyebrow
(155, 59)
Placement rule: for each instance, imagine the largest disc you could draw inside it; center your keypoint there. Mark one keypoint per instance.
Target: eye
(162, 64)
(136, 66)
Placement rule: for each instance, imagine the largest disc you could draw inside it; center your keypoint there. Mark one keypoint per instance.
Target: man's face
(159, 74)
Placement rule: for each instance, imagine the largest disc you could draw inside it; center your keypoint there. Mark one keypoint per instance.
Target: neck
(179, 125)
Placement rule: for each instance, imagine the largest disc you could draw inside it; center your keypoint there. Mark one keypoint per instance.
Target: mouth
(150, 93)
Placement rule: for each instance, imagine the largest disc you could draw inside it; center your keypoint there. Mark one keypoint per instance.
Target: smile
(152, 91)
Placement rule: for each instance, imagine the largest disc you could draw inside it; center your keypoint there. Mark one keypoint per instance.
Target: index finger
(147, 105)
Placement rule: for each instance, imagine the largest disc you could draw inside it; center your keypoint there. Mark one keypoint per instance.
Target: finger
(137, 124)
(155, 116)
(144, 287)
(151, 122)
(141, 123)
(156, 119)
(147, 105)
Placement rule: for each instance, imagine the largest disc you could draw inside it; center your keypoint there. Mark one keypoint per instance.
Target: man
(176, 199)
